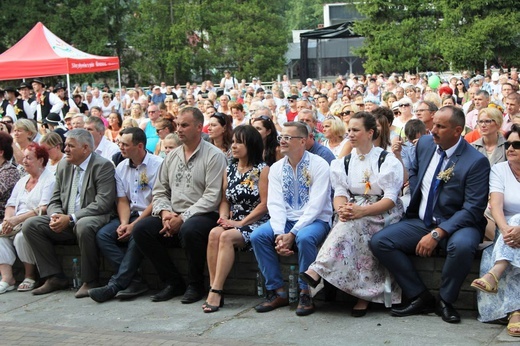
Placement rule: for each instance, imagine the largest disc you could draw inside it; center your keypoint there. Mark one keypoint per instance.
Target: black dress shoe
(133, 290)
(192, 295)
(168, 293)
(447, 312)
(102, 294)
(423, 304)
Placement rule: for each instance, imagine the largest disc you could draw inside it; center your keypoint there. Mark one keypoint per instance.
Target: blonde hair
(494, 114)
(26, 125)
(129, 122)
(337, 126)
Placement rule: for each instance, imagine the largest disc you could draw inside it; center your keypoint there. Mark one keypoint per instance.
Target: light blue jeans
(307, 241)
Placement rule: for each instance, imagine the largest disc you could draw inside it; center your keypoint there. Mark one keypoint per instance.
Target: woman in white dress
(366, 199)
(499, 284)
(29, 198)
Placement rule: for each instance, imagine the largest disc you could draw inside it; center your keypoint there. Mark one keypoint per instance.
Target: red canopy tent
(40, 53)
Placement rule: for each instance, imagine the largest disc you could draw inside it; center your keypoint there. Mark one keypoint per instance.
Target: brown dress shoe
(83, 290)
(52, 284)
(273, 301)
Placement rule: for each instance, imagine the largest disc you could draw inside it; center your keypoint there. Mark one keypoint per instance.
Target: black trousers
(192, 237)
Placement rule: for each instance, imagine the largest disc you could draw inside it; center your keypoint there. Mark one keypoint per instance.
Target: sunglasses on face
(397, 113)
(405, 105)
(459, 84)
(514, 144)
(7, 121)
(344, 114)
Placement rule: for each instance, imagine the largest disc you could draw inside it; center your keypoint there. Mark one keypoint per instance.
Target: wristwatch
(435, 235)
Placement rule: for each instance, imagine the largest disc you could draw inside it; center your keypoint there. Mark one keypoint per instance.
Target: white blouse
(387, 181)
(501, 177)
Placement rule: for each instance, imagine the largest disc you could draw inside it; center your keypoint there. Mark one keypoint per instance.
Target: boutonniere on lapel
(143, 180)
(446, 175)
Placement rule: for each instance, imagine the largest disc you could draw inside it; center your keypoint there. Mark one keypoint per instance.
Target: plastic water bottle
(293, 285)
(260, 285)
(76, 274)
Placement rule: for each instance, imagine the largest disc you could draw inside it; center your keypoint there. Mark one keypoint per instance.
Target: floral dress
(243, 195)
(345, 259)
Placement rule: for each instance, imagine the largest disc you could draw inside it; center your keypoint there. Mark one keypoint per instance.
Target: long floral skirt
(346, 261)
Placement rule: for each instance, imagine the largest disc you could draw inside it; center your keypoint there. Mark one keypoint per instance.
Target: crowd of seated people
(303, 170)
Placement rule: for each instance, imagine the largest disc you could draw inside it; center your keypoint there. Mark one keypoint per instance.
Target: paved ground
(60, 319)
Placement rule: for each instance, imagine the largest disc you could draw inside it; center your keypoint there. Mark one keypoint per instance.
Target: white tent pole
(119, 77)
(68, 84)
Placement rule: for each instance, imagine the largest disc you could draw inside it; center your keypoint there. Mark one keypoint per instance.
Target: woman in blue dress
(242, 209)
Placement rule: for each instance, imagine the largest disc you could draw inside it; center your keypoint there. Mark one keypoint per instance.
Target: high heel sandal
(515, 325)
(487, 288)
(214, 308)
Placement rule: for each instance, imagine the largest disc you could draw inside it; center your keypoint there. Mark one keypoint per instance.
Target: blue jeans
(307, 241)
(126, 262)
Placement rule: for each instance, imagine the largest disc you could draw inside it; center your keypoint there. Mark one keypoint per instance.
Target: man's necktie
(71, 208)
(428, 213)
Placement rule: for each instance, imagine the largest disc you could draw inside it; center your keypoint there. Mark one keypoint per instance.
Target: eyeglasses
(487, 122)
(405, 105)
(515, 145)
(286, 138)
(422, 110)
(151, 112)
(159, 130)
(344, 114)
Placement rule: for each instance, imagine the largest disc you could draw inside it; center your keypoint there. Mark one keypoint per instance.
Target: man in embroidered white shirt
(301, 210)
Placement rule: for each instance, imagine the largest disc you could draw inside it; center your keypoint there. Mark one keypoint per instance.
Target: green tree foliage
(398, 35)
(188, 39)
(304, 14)
(472, 31)
(405, 35)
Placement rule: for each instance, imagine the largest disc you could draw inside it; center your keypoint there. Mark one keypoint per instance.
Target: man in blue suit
(449, 192)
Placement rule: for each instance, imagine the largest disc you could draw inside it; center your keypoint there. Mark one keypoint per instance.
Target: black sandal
(309, 279)
(214, 308)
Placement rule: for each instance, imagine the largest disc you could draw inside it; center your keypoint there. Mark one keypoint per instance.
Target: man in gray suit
(83, 199)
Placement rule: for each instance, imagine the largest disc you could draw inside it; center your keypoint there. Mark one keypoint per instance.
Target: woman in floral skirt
(366, 199)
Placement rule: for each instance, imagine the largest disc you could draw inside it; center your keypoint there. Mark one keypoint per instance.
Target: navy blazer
(461, 201)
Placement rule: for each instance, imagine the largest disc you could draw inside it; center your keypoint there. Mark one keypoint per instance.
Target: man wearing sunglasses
(298, 201)
(449, 184)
